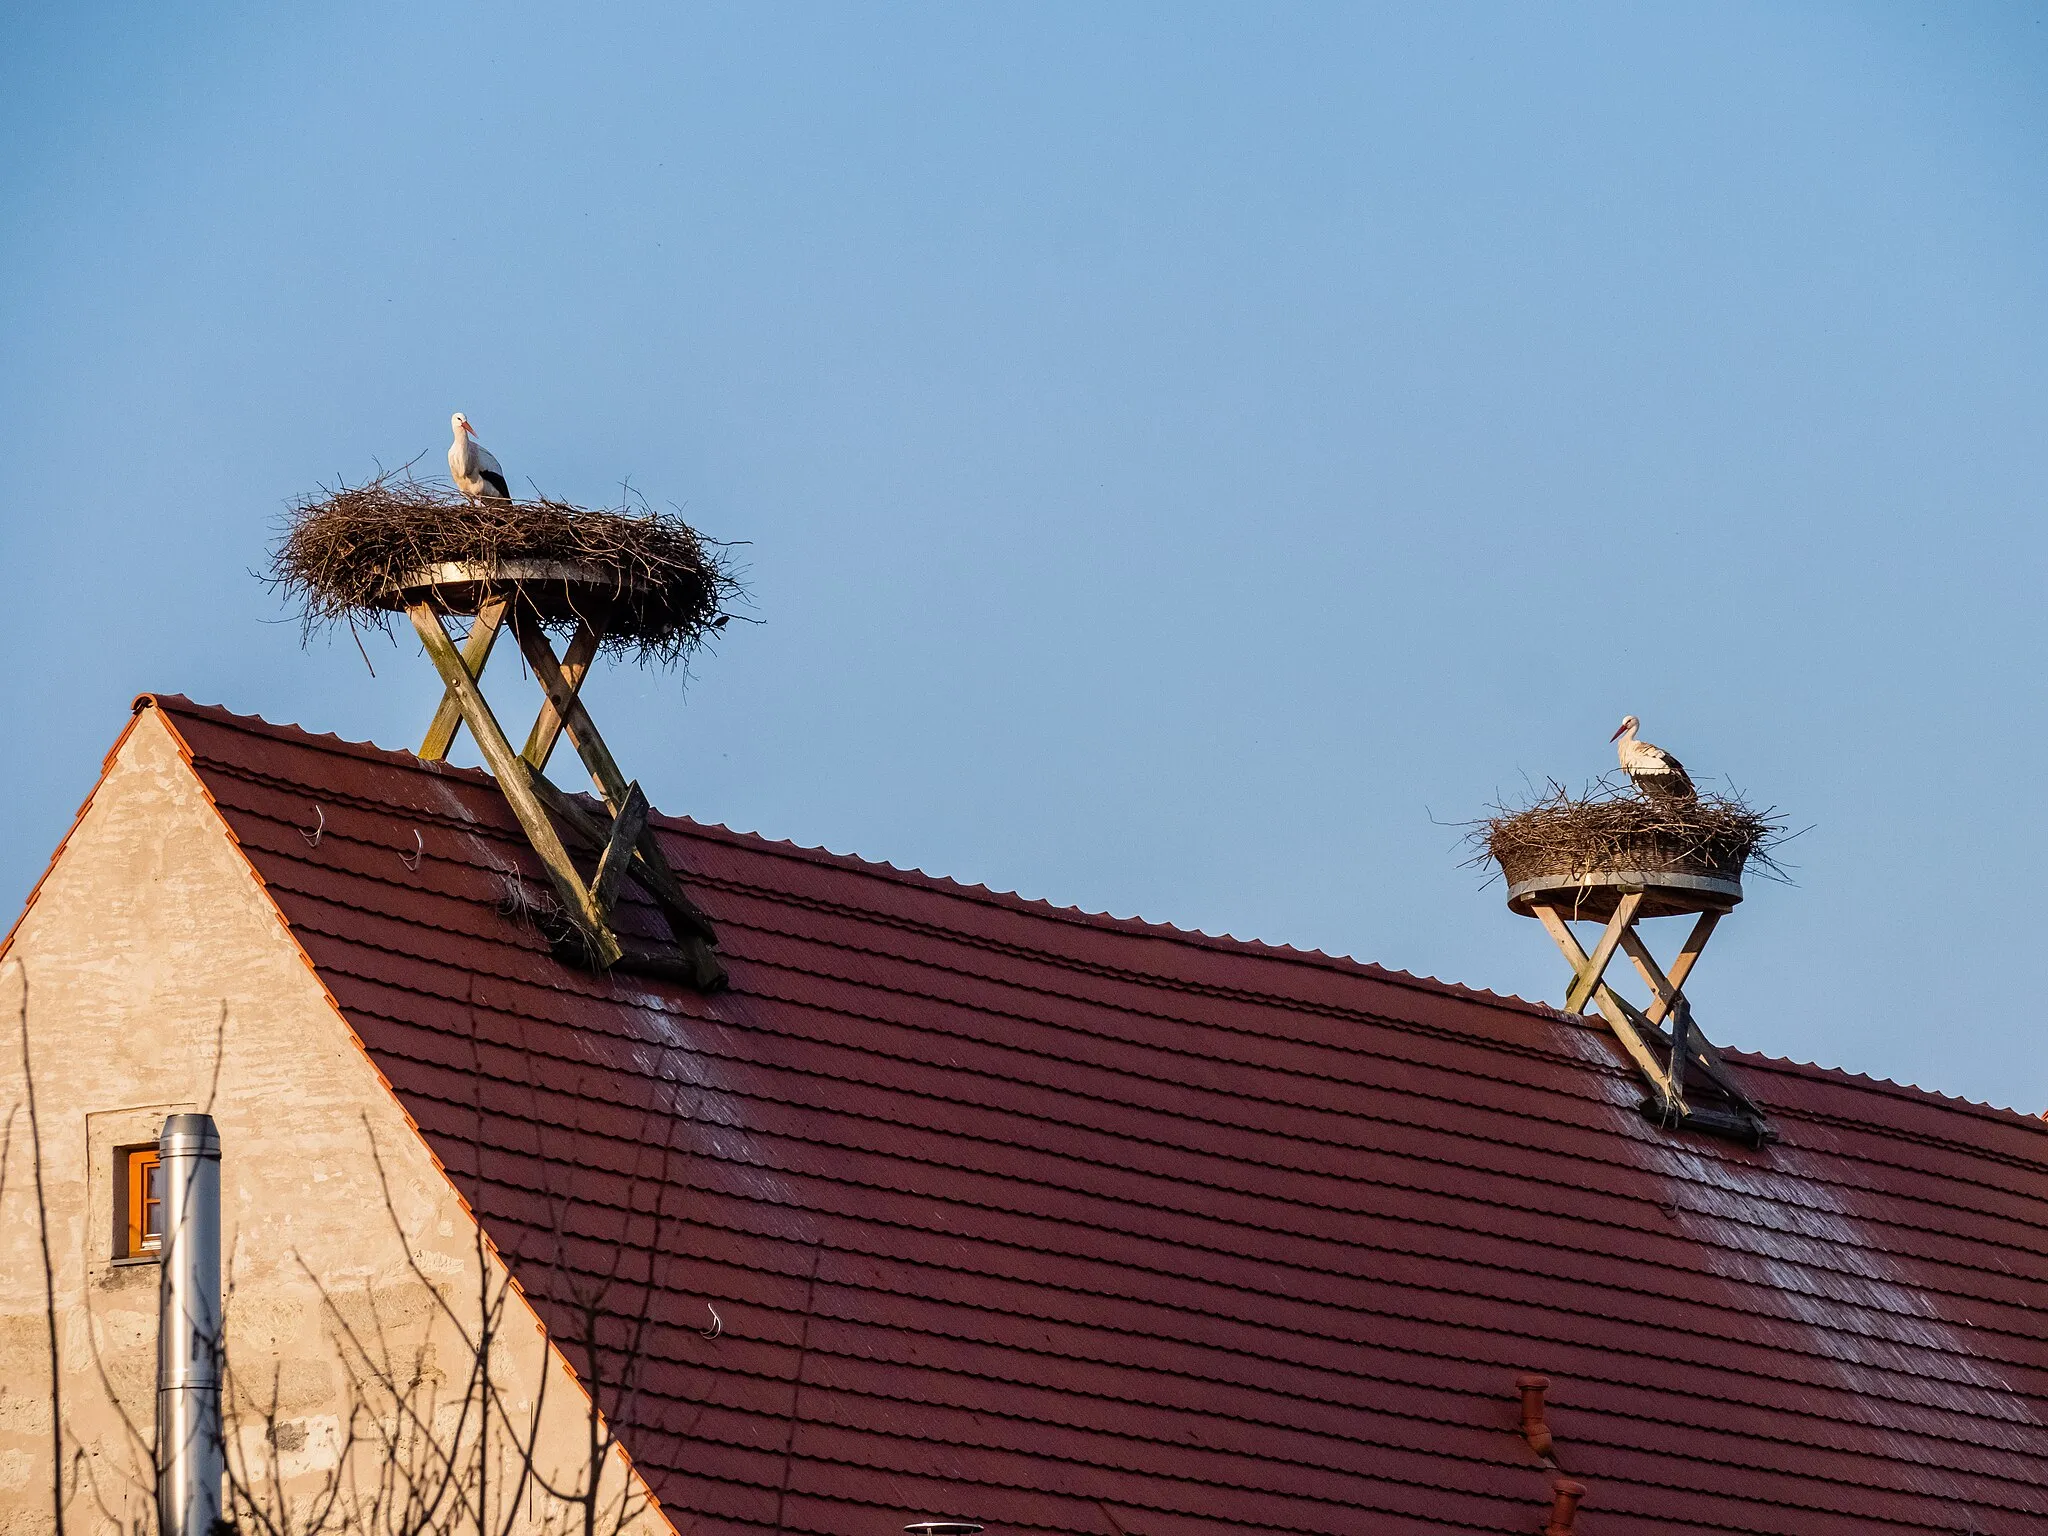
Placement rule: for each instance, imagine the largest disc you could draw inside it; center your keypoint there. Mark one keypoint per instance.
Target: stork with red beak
(476, 471)
(1654, 771)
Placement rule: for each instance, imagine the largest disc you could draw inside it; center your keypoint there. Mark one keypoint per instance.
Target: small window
(140, 1198)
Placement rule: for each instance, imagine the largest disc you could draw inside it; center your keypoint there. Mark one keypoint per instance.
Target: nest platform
(358, 554)
(558, 592)
(1594, 895)
(621, 581)
(1614, 858)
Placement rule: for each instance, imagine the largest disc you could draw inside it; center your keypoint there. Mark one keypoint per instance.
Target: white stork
(475, 468)
(1653, 770)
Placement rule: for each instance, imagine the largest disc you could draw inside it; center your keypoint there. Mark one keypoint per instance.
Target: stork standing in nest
(1655, 772)
(474, 468)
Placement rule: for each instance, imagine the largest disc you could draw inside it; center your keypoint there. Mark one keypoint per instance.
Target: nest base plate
(1594, 896)
(553, 589)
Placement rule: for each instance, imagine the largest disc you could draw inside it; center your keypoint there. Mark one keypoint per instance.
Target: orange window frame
(144, 1224)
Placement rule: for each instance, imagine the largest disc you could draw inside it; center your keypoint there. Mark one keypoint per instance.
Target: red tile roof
(1065, 1223)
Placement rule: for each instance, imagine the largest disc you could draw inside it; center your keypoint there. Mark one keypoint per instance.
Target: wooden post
(476, 651)
(1612, 1008)
(1695, 944)
(562, 698)
(515, 782)
(1681, 1049)
(547, 725)
(683, 914)
(1668, 1001)
(618, 849)
(1594, 969)
(650, 867)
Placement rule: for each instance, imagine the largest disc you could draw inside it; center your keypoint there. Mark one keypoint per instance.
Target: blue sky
(1189, 454)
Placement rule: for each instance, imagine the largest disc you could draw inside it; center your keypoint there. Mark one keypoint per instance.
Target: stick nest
(1608, 828)
(343, 550)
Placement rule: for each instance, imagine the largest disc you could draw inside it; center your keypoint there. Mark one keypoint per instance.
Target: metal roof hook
(313, 837)
(419, 851)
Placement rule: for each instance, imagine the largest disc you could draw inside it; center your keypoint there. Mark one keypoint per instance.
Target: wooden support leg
(516, 784)
(650, 868)
(547, 725)
(1744, 1123)
(618, 849)
(1612, 1008)
(1688, 957)
(1669, 1001)
(682, 913)
(1590, 974)
(564, 704)
(1681, 1044)
(476, 650)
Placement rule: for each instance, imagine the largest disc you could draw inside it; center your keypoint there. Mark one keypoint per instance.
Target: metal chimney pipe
(188, 1433)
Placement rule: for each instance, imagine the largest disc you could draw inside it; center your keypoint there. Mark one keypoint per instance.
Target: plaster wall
(154, 974)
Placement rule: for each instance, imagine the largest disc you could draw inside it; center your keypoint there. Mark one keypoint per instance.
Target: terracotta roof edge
(142, 702)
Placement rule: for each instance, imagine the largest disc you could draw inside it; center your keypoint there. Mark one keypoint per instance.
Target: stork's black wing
(1669, 781)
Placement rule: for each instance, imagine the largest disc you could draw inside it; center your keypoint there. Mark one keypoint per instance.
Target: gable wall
(157, 976)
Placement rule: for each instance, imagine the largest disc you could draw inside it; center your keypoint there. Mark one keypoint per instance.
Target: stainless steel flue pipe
(188, 1357)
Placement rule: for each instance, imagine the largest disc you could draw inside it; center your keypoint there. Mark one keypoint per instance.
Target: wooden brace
(625, 844)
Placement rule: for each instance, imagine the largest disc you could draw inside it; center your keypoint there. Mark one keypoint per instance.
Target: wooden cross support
(1667, 1061)
(624, 846)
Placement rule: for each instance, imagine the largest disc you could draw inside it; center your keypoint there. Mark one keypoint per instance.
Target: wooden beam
(683, 914)
(516, 784)
(1665, 988)
(1708, 1060)
(1612, 1008)
(562, 696)
(690, 962)
(1681, 1044)
(1588, 979)
(547, 725)
(476, 651)
(1703, 1055)
(650, 867)
(619, 849)
(1668, 997)
(1700, 1051)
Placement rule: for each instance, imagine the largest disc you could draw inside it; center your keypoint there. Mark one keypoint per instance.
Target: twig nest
(352, 555)
(1583, 851)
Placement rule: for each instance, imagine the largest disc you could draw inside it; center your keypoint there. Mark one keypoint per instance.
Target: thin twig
(35, 1148)
(1607, 827)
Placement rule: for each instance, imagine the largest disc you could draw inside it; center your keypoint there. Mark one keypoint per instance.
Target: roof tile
(1072, 1223)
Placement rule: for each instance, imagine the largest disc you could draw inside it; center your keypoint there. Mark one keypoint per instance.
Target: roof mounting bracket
(624, 845)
